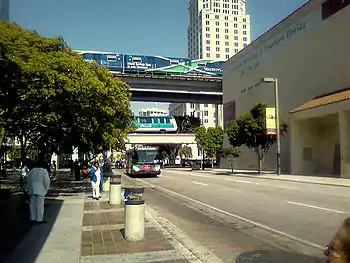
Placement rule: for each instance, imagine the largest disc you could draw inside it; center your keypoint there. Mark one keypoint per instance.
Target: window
(207, 35)
(236, 37)
(145, 120)
(206, 16)
(227, 50)
(217, 23)
(226, 36)
(206, 121)
(236, 50)
(217, 30)
(206, 105)
(217, 55)
(235, 19)
(192, 105)
(244, 32)
(208, 48)
(217, 49)
(244, 26)
(235, 25)
(227, 56)
(226, 31)
(207, 29)
(208, 55)
(227, 43)
(217, 36)
(244, 20)
(216, 17)
(244, 45)
(207, 23)
(226, 17)
(217, 42)
(236, 7)
(235, 31)
(226, 24)
(207, 42)
(244, 39)
(236, 44)
(206, 114)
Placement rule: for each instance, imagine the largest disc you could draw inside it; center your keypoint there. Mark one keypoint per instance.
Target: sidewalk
(83, 230)
(271, 176)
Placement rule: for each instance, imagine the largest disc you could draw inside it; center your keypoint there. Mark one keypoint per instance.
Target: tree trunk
(260, 160)
(231, 163)
(212, 163)
(23, 157)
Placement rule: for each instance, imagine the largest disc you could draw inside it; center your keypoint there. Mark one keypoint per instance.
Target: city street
(261, 213)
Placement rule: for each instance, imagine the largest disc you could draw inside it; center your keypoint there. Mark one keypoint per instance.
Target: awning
(324, 100)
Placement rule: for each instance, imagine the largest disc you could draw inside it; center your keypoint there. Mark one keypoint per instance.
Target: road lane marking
(316, 207)
(200, 183)
(270, 229)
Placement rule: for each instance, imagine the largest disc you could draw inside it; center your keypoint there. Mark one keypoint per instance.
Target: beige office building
(309, 52)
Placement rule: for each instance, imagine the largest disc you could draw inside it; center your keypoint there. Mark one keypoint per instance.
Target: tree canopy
(210, 140)
(250, 130)
(52, 99)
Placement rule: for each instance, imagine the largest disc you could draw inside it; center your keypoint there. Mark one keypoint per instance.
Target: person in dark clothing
(77, 170)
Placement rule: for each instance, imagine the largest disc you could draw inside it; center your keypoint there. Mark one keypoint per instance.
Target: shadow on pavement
(21, 241)
(267, 256)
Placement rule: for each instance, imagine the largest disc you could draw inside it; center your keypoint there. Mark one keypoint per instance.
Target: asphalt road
(302, 217)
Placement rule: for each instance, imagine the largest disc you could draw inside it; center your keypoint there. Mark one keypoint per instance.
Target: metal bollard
(134, 214)
(115, 189)
(106, 182)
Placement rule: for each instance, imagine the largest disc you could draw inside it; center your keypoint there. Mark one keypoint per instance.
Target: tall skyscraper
(4, 10)
(218, 29)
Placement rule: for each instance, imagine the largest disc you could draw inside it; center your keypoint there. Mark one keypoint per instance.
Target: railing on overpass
(151, 75)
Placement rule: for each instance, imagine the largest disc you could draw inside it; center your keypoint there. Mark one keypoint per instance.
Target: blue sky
(153, 27)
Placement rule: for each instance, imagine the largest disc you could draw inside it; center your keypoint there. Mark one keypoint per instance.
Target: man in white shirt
(38, 185)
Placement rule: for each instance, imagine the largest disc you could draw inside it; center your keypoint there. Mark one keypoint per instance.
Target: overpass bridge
(173, 88)
(155, 139)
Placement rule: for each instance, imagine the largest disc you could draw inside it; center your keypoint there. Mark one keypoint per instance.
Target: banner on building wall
(271, 128)
(229, 113)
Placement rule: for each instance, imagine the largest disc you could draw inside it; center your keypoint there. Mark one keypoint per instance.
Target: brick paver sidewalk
(103, 241)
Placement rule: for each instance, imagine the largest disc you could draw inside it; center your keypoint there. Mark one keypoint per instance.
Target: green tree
(230, 154)
(185, 152)
(187, 124)
(52, 99)
(210, 140)
(250, 130)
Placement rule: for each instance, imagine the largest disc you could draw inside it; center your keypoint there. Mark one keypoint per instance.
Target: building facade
(217, 29)
(206, 112)
(153, 112)
(308, 52)
(5, 10)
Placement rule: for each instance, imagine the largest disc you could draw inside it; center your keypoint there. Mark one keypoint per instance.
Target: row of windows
(226, 37)
(217, 23)
(217, 17)
(207, 29)
(226, 43)
(227, 50)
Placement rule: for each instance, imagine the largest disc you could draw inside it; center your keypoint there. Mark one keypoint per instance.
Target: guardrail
(166, 76)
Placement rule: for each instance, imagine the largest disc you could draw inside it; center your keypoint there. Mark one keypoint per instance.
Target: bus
(142, 161)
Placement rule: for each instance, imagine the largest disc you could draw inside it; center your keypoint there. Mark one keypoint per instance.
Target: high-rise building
(206, 112)
(153, 112)
(218, 29)
(4, 10)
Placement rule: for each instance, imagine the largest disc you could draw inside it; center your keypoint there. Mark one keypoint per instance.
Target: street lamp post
(275, 83)
(202, 122)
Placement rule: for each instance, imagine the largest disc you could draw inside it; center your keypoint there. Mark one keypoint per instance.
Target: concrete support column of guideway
(344, 133)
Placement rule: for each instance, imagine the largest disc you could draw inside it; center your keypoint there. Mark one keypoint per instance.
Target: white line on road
(316, 207)
(200, 183)
(278, 232)
(245, 182)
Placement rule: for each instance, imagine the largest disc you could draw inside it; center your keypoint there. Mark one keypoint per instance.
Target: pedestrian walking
(95, 173)
(38, 184)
